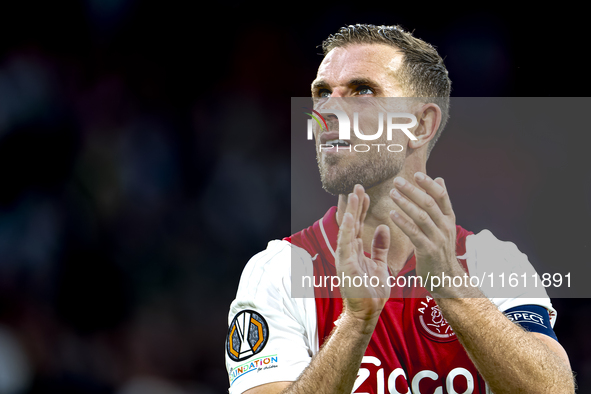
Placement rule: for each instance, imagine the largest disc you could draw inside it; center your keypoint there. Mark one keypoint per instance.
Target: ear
(429, 119)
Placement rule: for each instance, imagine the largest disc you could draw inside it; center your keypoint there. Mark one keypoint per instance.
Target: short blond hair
(422, 74)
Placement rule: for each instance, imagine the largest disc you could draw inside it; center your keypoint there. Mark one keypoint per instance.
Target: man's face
(356, 78)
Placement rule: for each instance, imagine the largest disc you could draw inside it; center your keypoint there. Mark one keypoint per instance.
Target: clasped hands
(425, 216)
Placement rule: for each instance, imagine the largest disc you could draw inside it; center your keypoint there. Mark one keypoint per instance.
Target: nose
(331, 120)
(326, 110)
(338, 92)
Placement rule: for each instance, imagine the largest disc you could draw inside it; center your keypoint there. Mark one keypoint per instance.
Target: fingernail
(399, 181)
(395, 194)
(420, 176)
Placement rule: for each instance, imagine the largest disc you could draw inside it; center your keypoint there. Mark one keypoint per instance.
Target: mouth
(332, 137)
(337, 142)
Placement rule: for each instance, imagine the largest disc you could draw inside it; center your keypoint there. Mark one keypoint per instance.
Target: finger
(360, 253)
(352, 205)
(360, 193)
(417, 215)
(422, 200)
(380, 244)
(363, 213)
(347, 228)
(437, 190)
(412, 231)
(344, 244)
(351, 209)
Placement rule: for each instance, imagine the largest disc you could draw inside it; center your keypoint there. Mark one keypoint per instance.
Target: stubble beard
(339, 176)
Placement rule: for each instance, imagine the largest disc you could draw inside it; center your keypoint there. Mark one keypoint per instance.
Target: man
(378, 338)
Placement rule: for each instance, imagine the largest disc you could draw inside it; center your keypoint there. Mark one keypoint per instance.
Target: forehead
(375, 61)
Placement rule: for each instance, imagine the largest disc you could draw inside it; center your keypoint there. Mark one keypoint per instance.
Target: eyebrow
(316, 85)
(362, 81)
(321, 84)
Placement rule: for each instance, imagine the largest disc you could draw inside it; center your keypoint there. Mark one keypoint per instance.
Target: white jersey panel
(486, 255)
(272, 337)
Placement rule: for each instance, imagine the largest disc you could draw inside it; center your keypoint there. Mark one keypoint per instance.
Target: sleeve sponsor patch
(256, 364)
(247, 335)
(533, 318)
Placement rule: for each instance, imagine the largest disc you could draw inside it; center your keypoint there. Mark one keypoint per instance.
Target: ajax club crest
(431, 322)
(247, 335)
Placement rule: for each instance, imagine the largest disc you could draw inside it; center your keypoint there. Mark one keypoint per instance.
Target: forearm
(510, 359)
(334, 369)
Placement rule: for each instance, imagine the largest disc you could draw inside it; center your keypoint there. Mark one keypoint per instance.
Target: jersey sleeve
(272, 336)
(495, 262)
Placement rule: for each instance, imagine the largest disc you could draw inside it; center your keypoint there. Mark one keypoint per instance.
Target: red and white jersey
(273, 337)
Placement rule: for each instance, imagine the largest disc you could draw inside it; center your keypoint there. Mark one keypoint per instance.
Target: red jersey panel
(412, 347)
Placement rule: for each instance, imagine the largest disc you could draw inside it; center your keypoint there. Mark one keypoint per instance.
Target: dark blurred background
(144, 158)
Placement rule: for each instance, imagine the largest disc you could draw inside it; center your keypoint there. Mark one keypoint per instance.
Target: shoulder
(271, 269)
(484, 250)
(266, 284)
(506, 275)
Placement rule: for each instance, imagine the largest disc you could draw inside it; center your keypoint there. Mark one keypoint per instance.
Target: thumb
(380, 244)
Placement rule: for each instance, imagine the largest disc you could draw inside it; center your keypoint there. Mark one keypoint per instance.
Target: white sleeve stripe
(326, 238)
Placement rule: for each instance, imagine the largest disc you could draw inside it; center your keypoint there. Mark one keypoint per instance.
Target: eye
(324, 93)
(364, 90)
